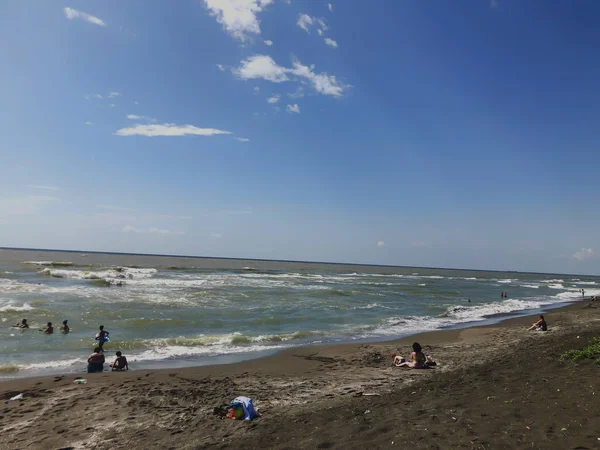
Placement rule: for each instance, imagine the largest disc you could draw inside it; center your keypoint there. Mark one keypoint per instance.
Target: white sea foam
(552, 281)
(121, 273)
(530, 286)
(49, 263)
(507, 281)
(556, 286)
(591, 283)
(11, 307)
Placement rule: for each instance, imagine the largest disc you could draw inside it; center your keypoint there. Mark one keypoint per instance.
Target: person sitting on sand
(120, 363)
(23, 324)
(540, 325)
(417, 357)
(49, 329)
(65, 328)
(102, 337)
(96, 361)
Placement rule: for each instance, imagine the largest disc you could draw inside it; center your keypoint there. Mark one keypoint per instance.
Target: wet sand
(495, 386)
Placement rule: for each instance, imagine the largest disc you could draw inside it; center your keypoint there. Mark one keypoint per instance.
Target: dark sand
(494, 387)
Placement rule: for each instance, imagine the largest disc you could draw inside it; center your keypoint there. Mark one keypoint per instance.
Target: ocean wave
(118, 273)
(507, 281)
(590, 283)
(530, 286)
(11, 307)
(556, 286)
(552, 281)
(50, 263)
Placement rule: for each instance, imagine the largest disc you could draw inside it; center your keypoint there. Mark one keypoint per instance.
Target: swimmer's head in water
(119, 353)
(24, 321)
(416, 347)
(65, 322)
(49, 324)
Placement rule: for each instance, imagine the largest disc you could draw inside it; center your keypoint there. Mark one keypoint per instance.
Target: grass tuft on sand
(591, 351)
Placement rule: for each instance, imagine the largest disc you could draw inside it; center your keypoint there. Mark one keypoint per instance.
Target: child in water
(102, 337)
(120, 363)
(65, 328)
(49, 329)
(23, 324)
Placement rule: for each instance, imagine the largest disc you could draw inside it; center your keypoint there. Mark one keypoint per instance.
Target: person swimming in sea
(102, 337)
(23, 324)
(49, 329)
(65, 328)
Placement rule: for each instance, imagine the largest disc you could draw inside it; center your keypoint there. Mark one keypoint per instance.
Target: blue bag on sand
(246, 404)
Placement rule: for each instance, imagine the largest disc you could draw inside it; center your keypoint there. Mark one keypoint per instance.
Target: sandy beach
(494, 386)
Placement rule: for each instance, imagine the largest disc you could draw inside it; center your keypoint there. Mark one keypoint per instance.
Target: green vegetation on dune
(591, 351)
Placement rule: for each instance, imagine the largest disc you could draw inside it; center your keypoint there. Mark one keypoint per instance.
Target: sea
(170, 311)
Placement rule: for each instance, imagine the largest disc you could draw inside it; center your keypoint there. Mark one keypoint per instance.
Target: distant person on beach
(540, 325)
(417, 358)
(120, 363)
(583, 293)
(23, 324)
(96, 361)
(102, 337)
(49, 329)
(65, 328)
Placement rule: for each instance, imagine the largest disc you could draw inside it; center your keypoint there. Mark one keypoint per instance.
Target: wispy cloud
(216, 235)
(131, 229)
(493, 4)
(71, 14)
(136, 117)
(238, 17)
(274, 98)
(298, 94)
(240, 139)
(168, 129)
(584, 253)
(114, 208)
(380, 243)
(264, 67)
(88, 123)
(419, 244)
(221, 67)
(304, 22)
(330, 7)
(295, 109)
(268, 42)
(331, 43)
(256, 89)
(114, 94)
(46, 188)
(29, 204)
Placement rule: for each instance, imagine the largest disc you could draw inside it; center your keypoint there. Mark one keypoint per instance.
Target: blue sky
(454, 134)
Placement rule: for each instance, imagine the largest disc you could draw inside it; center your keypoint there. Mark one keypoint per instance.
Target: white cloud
(268, 42)
(112, 105)
(321, 23)
(71, 14)
(293, 108)
(46, 188)
(98, 96)
(304, 22)
(380, 243)
(493, 3)
(256, 89)
(114, 94)
(136, 103)
(130, 229)
(216, 235)
(298, 94)
(261, 66)
(88, 123)
(242, 139)
(264, 67)
(238, 17)
(331, 42)
(419, 244)
(320, 32)
(330, 7)
(584, 253)
(221, 67)
(168, 129)
(274, 99)
(136, 117)
(29, 204)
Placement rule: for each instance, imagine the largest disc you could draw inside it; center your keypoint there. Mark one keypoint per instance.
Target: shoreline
(330, 396)
(238, 358)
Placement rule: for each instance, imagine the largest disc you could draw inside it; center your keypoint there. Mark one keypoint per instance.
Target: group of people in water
(96, 360)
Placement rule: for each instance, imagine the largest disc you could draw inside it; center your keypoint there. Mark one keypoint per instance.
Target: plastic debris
(18, 397)
(80, 381)
(367, 411)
